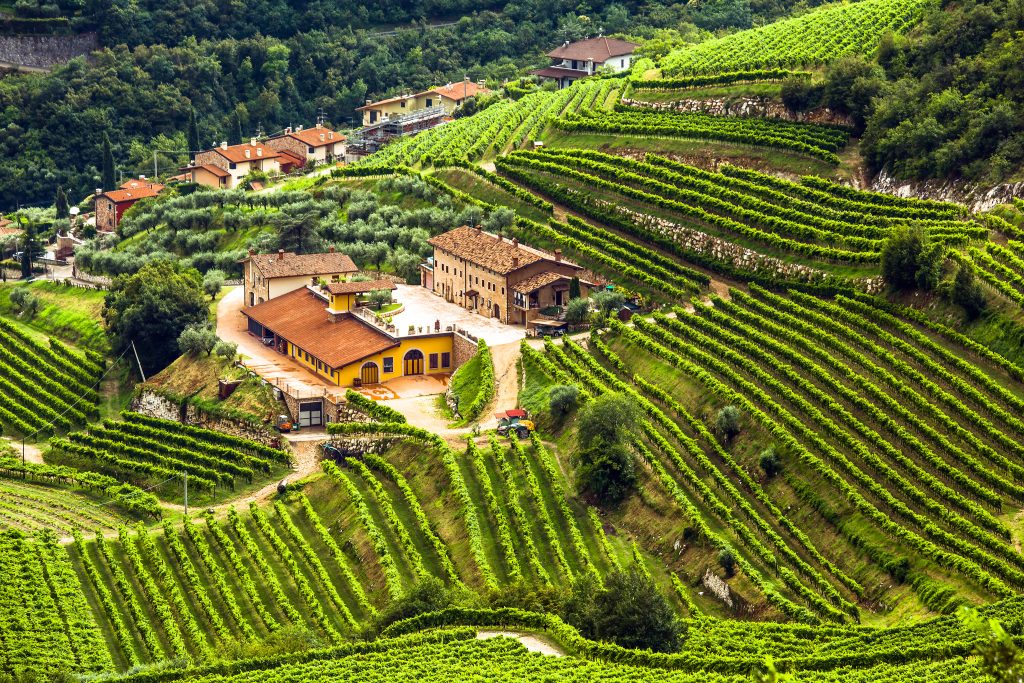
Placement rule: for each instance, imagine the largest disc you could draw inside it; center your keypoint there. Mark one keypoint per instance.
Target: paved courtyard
(423, 307)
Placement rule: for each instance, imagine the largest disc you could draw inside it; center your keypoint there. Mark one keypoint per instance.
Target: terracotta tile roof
(359, 287)
(236, 153)
(559, 72)
(132, 184)
(289, 158)
(535, 282)
(311, 136)
(290, 264)
(458, 91)
(301, 318)
(210, 168)
(118, 196)
(488, 250)
(596, 49)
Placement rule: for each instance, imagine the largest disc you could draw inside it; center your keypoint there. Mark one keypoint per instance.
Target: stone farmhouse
(301, 146)
(111, 205)
(497, 277)
(224, 166)
(266, 276)
(573, 61)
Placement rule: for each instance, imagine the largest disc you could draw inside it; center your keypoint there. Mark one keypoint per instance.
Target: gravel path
(530, 641)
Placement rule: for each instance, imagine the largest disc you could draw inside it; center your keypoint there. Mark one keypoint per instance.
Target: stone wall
(763, 107)
(979, 198)
(44, 52)
(152, 404)
(463, 348)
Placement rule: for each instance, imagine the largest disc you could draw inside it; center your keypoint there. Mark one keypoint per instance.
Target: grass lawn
(71, 314)
(474, 185)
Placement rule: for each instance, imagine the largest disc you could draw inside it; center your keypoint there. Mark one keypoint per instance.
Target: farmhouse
(497, 277)
(323, 328)
(110, 206)
(442, 100)
(267, 276)
(225, 166)
(299, 146)
(573, 61)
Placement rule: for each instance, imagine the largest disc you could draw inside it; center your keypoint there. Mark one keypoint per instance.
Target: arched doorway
(497, 311)
(413, 362)
(369, 373)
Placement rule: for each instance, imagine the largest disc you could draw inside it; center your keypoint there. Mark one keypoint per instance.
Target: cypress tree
(574, 288)
(28, 246)
(62, 203)
(108, 164)
(235, 130)
(193, 132)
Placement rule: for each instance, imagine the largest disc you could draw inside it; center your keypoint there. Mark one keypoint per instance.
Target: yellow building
(322, 329)
(448, 97)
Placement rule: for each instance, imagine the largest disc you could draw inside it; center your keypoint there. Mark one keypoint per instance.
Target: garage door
(311, 414)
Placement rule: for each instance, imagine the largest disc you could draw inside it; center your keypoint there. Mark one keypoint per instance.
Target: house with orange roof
(225, 166)
(316, 145)
(444, 98)
(498, 277)
(573, 61)
(111, 205)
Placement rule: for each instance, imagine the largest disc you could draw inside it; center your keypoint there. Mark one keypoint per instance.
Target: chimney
(515, 261)
(224, 145)
(369, 101)
(252, 252)
(252, 142)
(99, 191)
(330, 249)
(558, 254)
(299, 129)
(247, 154)
(319, 125)
(515, 241)
(288, 130)
(259, 151)
(322, 137)
(330, 136)
(280, 254)
(142, 177)
(479, 228)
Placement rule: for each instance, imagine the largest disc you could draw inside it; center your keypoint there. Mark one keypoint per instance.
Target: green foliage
(225, 349)
(574, 288)
(107, 177)
(197, 339)
(769, 462)
(213, 280)
(152, 308)
(911, 260)
(628, 610)
(577, 310)
(727, 561)
(967, 292)
(609, 419)
(727, 422)
(61, 203)
(562, 400)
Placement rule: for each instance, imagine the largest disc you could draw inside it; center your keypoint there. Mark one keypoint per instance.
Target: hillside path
(32, 452)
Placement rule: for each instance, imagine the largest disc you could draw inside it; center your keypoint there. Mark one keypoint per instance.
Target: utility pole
(155, 173)
(135, 351)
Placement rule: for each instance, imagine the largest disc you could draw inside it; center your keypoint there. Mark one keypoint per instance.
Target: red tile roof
(236, 153)
(301, 318)
(133, 184)
(359, 287)
(118, 196)
(535, 282)
(311, 136)
(459, 91)
(596, 49)
(210, 168)
(488, 250)
(290, 264)
(289, 158)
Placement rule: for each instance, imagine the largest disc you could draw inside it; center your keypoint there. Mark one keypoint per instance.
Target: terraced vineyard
(159, 452)
(1002, 267)
(508, 503)
(735, 221)
(46, 388)
(904, 440)
(817, 37)
(30, 507)
(637, 122)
